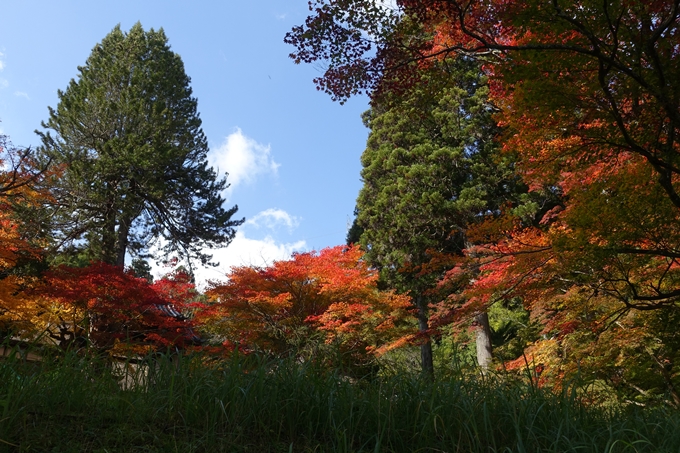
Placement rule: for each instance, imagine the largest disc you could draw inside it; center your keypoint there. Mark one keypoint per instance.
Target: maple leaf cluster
(20, 189)
(109, 308)
(330, 296)
(584, 95)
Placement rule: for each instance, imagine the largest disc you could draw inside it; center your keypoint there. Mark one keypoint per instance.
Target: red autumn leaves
(331, 294)
(330, 297)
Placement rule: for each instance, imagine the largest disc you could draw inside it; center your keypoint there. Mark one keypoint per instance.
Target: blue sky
(292, 153)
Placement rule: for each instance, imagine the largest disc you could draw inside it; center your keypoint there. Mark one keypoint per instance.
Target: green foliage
(141, 269)
(634, 359)
(511, 328)
(128, 137)
(243, 404)
(431, 168)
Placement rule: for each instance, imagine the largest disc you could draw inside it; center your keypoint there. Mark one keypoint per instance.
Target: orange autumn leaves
(585, 94)
(18, 180)
(331, 295)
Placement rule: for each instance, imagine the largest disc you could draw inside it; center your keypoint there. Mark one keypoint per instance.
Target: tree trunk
(122, 241)
(425, 348)
(108, 244)
(483, 340)
(108, 241)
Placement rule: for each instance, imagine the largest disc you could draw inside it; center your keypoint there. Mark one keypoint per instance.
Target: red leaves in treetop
(279, 307)
(178, 288)
(115, 307)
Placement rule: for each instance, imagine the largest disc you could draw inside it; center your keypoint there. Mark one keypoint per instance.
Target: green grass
(77, 405)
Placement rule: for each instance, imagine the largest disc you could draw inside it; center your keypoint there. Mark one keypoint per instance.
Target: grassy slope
(77, 406)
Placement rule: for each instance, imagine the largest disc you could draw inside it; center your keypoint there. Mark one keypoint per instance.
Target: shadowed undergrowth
(76, 404)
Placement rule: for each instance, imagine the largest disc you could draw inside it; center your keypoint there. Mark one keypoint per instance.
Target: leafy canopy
(287, 307)
(128, 133)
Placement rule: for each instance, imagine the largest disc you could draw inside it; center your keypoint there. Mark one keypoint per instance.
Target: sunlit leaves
(21, 190)
(329, 297)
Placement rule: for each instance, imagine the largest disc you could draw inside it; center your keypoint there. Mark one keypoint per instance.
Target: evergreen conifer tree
(128, 136)
(431, 168)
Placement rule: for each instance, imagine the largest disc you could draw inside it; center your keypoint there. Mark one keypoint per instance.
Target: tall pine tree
(431, 168)
(129, 138)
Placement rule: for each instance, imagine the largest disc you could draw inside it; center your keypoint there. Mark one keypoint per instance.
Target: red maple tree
(330, 296)
(108, 308)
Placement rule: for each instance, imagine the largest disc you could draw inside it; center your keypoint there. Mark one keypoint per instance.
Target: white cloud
(2, 63)
(272, 218)
(389, 4)
(22, 95)
(4, 83)
(243, 158)
(281, 16)
(242, 251)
